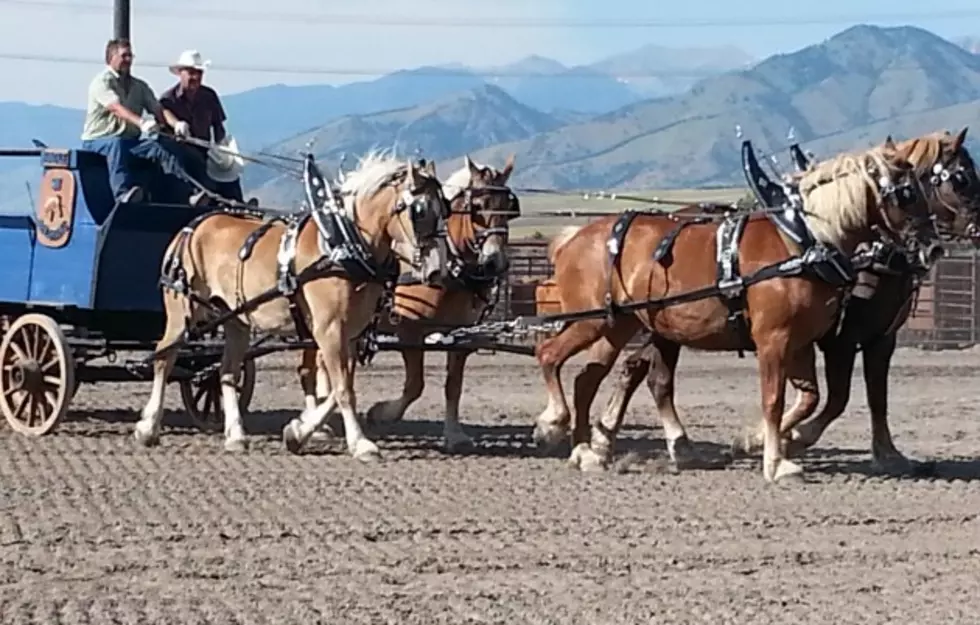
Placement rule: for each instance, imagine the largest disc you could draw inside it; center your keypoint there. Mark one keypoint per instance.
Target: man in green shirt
(114, 117)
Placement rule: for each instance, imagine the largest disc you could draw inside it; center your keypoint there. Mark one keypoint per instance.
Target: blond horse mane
(925, 151)
(835, 193)
(559, 240)
(373, 173)
(462, 178)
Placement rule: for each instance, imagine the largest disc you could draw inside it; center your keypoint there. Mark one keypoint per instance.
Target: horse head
(482, 206)
(402, 204)
(850, 195)
(947, 169)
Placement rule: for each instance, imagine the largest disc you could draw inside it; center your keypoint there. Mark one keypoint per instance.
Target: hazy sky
(305, 38)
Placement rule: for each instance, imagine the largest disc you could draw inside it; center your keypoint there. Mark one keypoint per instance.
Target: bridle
(482, 233)
(962, 184)
(416, 201)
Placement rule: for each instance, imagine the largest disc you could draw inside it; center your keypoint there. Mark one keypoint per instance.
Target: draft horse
(782, 294)
(880, 304)
(337, 259)
(481, 207)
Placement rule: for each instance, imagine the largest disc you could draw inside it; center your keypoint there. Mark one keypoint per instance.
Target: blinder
(425, 225)
(512, 210)
(473, 209)
(958, 178)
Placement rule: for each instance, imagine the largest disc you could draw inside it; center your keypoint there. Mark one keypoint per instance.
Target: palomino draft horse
(481, 207)
(395, 209)
(787, 295)
(879, 306)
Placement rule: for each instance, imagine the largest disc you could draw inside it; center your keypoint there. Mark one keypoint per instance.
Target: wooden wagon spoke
(19, 411)
(202, 399)
(208, 403)
(38, 375)
(53, 361)
(36, 344)
(32, 413)
(18, 352)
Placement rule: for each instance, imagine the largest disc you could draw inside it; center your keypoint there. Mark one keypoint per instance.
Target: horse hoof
(788, 471)
(586, 460)
(321, 437)
(146, 439)
(549, 436)
(366, 451)
(457, 442)
(793, 448)
(682, 453)
(236, 445)
(382, 412)
(291, 438)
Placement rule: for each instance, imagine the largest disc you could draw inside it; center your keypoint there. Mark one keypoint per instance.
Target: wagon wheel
(37, 375)
(203, 400)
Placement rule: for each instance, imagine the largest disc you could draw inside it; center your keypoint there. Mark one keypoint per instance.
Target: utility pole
(120, 21)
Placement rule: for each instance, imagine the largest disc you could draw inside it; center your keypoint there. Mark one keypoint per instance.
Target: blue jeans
(118, 160)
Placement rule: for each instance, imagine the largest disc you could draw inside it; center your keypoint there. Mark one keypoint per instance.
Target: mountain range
(653, 118)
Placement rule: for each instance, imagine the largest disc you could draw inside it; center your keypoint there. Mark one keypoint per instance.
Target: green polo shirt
(105, 89)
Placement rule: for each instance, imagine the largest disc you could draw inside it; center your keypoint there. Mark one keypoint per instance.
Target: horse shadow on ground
(636, 447)
(832, 461)
(425, 436)
(107, 423)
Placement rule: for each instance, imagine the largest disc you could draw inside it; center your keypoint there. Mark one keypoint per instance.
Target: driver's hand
(150, 126)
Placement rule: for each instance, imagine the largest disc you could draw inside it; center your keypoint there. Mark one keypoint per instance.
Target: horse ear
(508, 169)
(474, 170)
(430, 169)
(889, 142)
(960, 138)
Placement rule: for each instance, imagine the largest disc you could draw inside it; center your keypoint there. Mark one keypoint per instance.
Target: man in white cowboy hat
(202, 117)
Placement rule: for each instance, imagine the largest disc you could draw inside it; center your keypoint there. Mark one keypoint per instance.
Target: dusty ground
(94, 530)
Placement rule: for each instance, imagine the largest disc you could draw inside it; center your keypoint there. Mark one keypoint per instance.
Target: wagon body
(87, 261)
(81, 270)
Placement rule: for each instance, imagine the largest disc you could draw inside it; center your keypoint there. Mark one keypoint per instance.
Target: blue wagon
(79, 287)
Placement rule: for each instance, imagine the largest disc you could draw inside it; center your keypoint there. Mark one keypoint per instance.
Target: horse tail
(559, 240)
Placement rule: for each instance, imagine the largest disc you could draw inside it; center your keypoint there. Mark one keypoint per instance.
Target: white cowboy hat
(190, 59)
(225, 163)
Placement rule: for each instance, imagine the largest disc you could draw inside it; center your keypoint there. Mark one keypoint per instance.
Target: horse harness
(471, 276)
(344, 252)
(816, 260)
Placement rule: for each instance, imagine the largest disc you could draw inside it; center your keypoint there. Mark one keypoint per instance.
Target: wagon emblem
(56, 208)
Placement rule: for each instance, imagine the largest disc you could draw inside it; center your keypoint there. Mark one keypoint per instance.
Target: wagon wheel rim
(203, 401)
(37, 375)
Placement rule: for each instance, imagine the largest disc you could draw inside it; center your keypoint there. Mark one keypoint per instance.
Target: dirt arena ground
(95, 530)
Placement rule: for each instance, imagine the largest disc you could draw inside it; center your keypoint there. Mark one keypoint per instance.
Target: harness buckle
(731, 287)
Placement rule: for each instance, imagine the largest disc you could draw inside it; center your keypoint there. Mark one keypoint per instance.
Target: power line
(412, 21)
(349, 71)
(572, 74)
